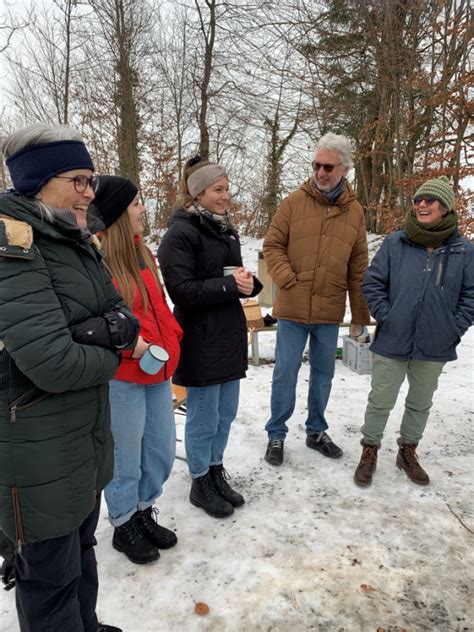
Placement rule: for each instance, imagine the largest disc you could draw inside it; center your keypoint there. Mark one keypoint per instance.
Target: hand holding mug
(244, 280)
(140, 348)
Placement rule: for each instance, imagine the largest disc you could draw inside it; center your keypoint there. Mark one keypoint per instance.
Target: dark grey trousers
(56, 581)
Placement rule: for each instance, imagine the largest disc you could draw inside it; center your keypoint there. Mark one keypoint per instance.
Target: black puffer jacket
(192, 254)
(56, 450)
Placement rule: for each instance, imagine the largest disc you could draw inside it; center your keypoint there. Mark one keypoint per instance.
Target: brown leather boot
(367, 464)
(408, 461)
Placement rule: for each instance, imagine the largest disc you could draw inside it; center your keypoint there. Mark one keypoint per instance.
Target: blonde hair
(122, 257)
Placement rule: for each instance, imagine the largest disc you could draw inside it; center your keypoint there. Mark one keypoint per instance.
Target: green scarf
(430, 235)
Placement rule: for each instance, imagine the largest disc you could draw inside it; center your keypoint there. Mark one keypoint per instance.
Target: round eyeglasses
(80, 182)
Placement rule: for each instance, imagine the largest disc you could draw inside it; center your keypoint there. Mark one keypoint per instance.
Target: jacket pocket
(437, 333)
(30, 398)
(395, 333)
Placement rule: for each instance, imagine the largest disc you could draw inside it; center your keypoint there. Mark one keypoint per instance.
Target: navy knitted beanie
(32, 167)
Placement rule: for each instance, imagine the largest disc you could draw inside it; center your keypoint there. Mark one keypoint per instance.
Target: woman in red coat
(141, 402)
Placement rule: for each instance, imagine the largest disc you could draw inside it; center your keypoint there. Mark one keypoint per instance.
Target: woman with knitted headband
(62, 328)
(420, 290)
(198, 245)
(143, 423)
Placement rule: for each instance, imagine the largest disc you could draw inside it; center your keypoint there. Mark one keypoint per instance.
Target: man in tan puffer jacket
(316, 252)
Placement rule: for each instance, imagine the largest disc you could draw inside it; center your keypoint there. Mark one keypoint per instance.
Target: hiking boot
(323, 443)
(220, 476)
(102, 627)
(408, 461)
(274, 453)
(204, 494)
(129, 539)
(147, 521)
(367, 464)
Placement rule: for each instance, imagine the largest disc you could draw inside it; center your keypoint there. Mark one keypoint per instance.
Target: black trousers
(56, 581)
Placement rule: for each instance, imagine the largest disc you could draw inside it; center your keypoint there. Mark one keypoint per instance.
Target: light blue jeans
(144, 434)
(210, 411)
(290, 344)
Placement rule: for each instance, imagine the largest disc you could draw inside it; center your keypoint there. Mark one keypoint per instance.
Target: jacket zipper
(165, 372)
(16, 404)
(19, 532)
(443, 265)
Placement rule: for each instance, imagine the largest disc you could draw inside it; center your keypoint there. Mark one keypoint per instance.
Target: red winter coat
(157, 326)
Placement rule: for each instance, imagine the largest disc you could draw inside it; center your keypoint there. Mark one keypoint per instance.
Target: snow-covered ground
(309, 550)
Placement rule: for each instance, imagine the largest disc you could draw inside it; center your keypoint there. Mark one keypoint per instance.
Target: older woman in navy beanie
(62, 328)
(420, 290)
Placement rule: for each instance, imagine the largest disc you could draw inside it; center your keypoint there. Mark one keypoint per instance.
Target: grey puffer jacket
(56, 450)
(423, 302)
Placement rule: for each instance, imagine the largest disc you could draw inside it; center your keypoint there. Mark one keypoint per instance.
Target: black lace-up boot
(147, 521)
(204, 494)
(129, 539)
(220, 476)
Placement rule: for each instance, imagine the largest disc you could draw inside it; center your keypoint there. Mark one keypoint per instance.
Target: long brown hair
(122, 257)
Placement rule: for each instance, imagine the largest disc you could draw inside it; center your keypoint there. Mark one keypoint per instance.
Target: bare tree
(125, 26)
(45, 59)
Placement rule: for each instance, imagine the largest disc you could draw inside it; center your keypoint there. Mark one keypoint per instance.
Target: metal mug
(153, 360)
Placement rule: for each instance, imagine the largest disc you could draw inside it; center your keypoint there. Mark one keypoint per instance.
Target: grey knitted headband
(204, 177)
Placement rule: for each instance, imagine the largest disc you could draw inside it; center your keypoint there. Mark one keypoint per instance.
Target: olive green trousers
(387, 377)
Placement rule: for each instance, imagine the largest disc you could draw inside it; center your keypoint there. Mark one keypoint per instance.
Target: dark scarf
(65, 220)
(430, 235)
(331, 196)
(221, 222)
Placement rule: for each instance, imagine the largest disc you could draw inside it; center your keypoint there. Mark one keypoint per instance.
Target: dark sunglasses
(424, 198)
(80, 182)
(328, 168)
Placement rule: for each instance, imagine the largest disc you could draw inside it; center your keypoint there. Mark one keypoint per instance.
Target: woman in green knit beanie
(433, 218)
(420, 290)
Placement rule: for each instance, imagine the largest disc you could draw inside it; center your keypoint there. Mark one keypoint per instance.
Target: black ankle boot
(147, 521)
(220, 477)
(129, 539)
(205, 495)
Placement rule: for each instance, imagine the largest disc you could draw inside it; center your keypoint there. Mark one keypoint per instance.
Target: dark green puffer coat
(56, 450)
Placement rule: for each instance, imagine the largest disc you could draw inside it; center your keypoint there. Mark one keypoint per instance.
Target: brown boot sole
(361, 484)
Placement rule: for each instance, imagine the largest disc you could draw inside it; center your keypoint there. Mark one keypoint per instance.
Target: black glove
(113, 330)
(123, 327)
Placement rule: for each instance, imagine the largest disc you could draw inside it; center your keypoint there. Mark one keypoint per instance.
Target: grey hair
(339, 143)
(37, 134)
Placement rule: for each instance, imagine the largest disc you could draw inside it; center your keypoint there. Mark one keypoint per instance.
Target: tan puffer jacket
(315, 252)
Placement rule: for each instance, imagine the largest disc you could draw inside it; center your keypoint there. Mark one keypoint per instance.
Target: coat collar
(341, 205)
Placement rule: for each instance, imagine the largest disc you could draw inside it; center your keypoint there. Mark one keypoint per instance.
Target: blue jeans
(210, 410)
(290, 344)
(144, 434)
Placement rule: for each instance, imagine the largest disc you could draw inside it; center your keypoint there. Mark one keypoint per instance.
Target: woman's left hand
(140, 348)
(244, 280)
